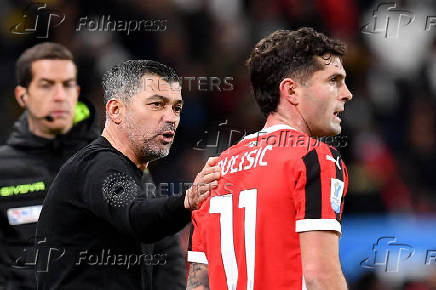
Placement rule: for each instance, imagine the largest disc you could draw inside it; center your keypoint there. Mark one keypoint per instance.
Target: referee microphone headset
(48, 118)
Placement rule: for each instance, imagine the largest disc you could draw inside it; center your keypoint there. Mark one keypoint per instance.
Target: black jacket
(28, 164)
(95, 216)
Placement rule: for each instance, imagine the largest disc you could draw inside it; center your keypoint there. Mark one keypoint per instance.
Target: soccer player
(274, 220)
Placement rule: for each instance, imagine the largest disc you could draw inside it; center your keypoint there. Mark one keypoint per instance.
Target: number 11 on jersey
(223, 205)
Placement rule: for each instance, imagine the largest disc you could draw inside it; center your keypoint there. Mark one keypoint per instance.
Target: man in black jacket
(54, 127)
(96, 214)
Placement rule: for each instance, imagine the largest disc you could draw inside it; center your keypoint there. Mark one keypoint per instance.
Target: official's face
(152, 117)
(53, 91)
(324, 97)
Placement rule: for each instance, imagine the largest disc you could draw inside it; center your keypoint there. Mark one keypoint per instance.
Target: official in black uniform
(96, 213)
(54, 126)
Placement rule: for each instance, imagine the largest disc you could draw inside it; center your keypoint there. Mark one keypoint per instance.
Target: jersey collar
(269, 130)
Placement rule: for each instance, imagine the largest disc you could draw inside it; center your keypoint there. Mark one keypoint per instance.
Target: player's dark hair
(286, 53)
(45, 50)
(124, 80)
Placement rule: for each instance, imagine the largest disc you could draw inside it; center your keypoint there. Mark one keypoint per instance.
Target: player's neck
(276, 118)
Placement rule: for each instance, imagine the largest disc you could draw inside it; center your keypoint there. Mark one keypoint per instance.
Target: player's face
(53, 92)
(324, 97)
(152, 117)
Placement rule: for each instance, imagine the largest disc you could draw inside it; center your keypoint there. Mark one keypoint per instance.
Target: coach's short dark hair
(124, 80)
(45, 50)
(286, 53)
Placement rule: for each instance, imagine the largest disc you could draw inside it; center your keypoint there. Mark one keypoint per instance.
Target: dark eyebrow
(52, 81)
(165, 99)
(160, 97)
(46, 80)
(335, 75)
(69, 80)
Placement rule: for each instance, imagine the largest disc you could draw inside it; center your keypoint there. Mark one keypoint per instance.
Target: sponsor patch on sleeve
(24, 215)
(336, 191)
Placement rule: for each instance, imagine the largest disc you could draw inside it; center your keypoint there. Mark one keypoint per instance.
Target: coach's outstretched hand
(205, 181)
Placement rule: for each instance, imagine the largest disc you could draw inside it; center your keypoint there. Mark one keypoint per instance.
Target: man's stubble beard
(147, 149)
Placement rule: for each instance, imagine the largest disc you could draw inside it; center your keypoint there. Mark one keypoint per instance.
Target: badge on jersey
(336, 191)
(24, 215)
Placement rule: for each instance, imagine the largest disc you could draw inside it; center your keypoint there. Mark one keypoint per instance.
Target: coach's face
(152, 117)
(323, 98)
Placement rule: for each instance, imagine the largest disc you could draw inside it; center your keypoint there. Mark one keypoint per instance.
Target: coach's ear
(287, 90)
(115, 110)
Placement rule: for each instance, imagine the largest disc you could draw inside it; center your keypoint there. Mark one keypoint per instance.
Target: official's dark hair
(124, 80)
(45, 50)
(286, 53)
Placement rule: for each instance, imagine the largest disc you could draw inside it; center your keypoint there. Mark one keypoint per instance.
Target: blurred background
(388, 138)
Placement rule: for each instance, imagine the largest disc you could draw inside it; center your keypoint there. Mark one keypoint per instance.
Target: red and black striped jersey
(275, 184)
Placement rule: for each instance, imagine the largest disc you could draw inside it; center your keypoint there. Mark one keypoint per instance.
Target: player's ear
(287, 90)
(19, 93)
(115, 109)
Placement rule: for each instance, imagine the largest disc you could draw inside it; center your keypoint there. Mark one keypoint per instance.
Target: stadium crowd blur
(389, 127)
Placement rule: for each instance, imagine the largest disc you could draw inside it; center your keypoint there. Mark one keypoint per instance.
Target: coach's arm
(198, 278)
(320, 260)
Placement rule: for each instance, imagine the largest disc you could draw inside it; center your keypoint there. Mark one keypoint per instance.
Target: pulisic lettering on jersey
(248, 160)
